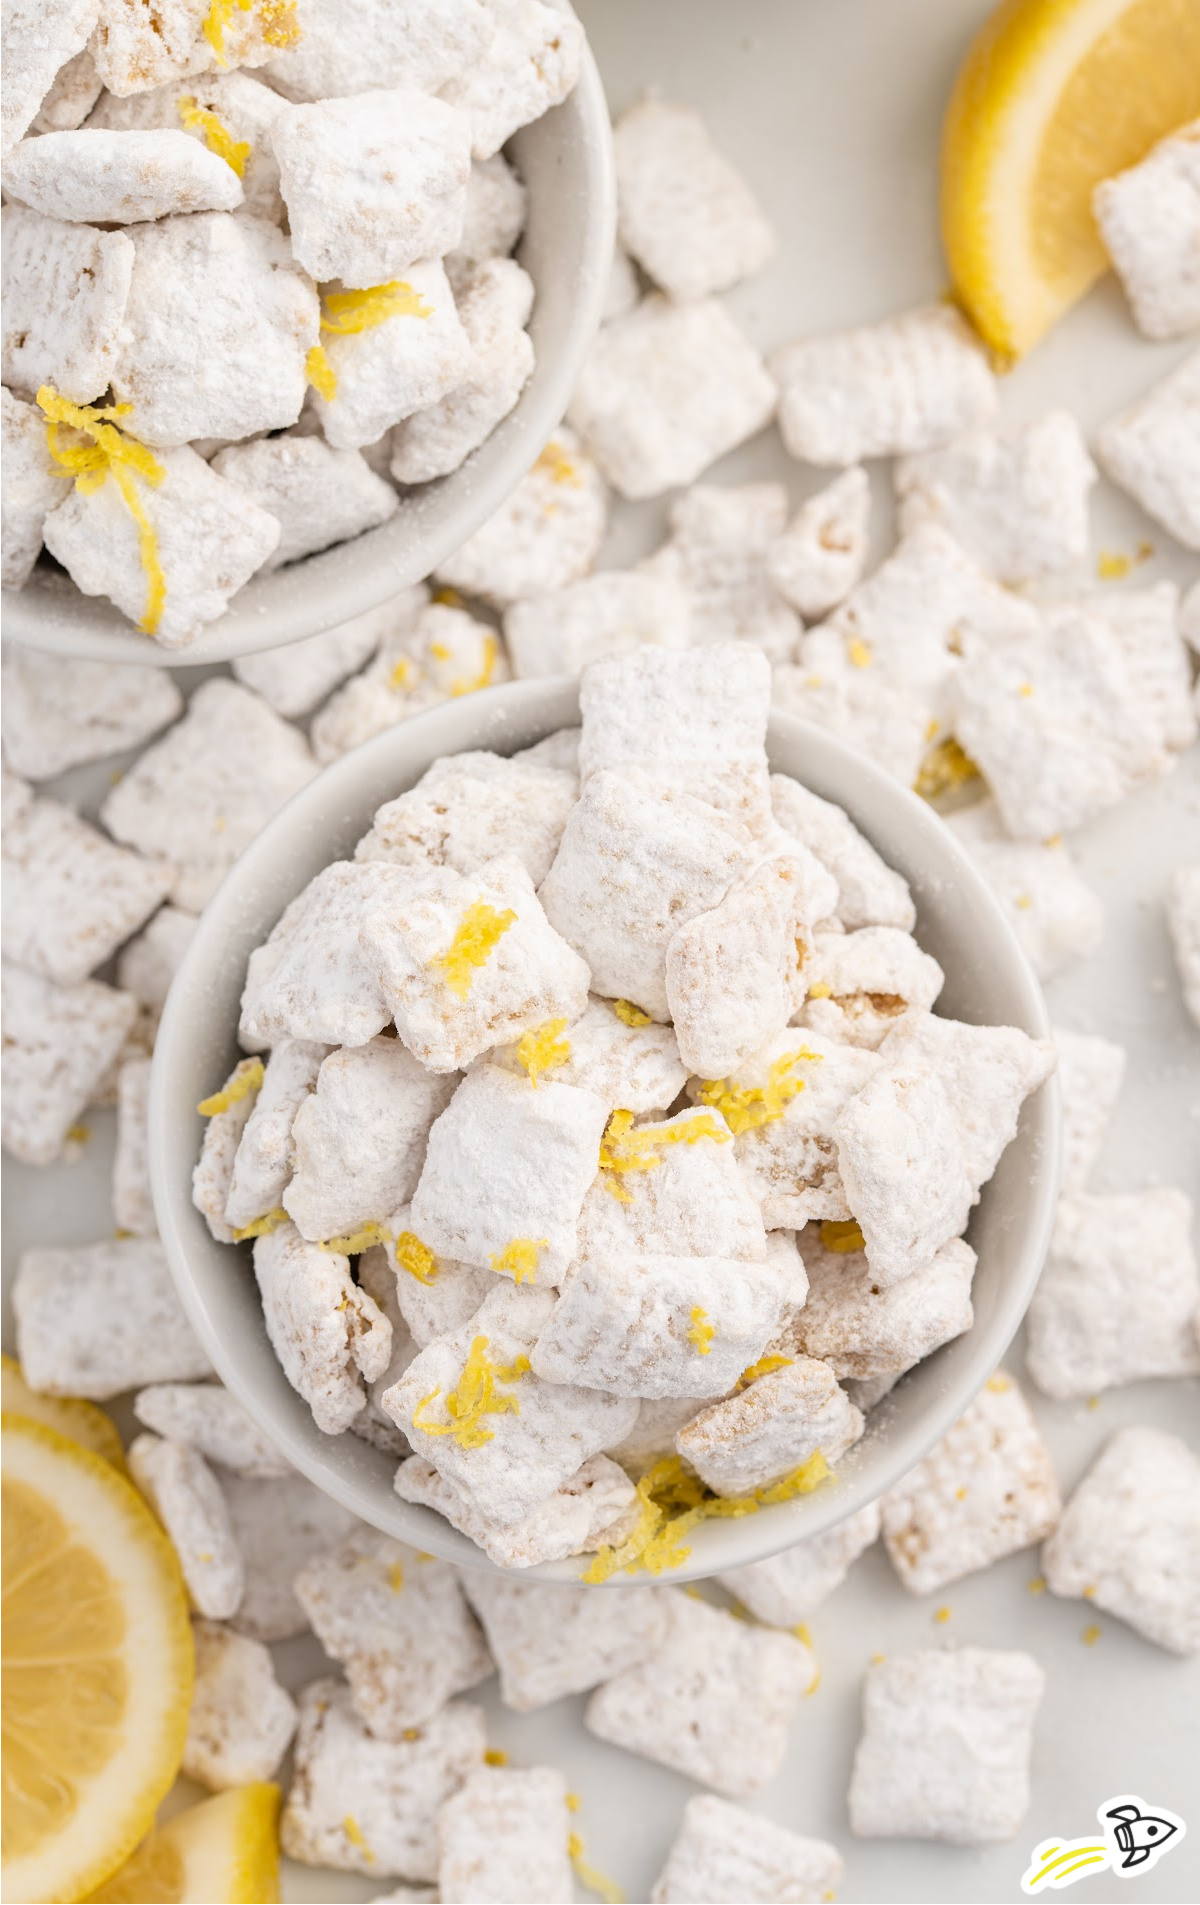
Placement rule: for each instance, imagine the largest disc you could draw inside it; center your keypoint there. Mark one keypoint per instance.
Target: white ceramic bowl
(958, 921)
(565, 159)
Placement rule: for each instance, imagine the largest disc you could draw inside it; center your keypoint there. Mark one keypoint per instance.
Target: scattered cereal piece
(504, 1835)
(1146, 625)
(229, 113)
(1183, 919)
(132, 1201)
(1151, 451)
(70, 895)
(31, 486)
(264, 1162)
(59, 713)
(1117, 1296)
(66, 288)
(242, 1720)
(96, 1319)
(185, 1495)
(323, 1328)
(865, 706)
(1149, 219)
(494, 303)
(787, 1588)
(545, 536)
(720, 1852)
(549, 1640)
(605, 614)
(529, 64)
(319, 495)
(1129, 1538)
(227, 1112)
(352, 46)
(135, 49)
(595, 1505)
(859, 983)
(714, 1700)
(869, 892)
(816, 561)
(1090, 1071)
(684, 213)
(862, 1329)
(945, 1748)
(720, 538)
(392, 349)
(119, 178)
(59, 1042)
(754, 1439)
(1054, 913)
(311, 979)
(208, 1419)
(279, 1524)
(467, 809)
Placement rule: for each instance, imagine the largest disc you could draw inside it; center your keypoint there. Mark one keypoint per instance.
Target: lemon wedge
(1054, 95)
(97, 1665)
(226, 1848)
(81, 1421)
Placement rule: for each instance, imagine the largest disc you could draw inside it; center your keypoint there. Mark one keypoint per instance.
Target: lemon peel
(473, 1396)
(194, 117)
(415, 1257)
(700, 1331)
(107, 453)
(247, 1078)
(841, 1236)
(346, 313)
(946, 767)
(589, 1876)
(262, 1226)
(320, 373)
(471, 684)
(763, 1367)
(625, 1147)
(747, 1107)
(543, 1049)
(520, 1258)
(479, 932)
(630, 1014)
(276, 19)
(356, 1241)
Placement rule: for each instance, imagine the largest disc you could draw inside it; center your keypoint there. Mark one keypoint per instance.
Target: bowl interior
(987, 982)
(565, 159)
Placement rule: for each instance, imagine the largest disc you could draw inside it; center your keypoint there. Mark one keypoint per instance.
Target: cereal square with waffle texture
(946, 1746)
(722, 1852)
(494, 303)
(595, 1506)
(104, 177)
(66, 288)
(186, 1496)
(619, 1056)
(683, 212)
(95, 1319)
(986, 1490)
(60, 1042)
(312, 979)
(263, 1163)
(544, 537)
(391, 351)
(58, 713)
(856, 985)
(37, 42)
(863, 1329)
(70, 895)
(869, 892)
(671, 1187)
(820, 556)
(352, 46)
(1090, 1072)
(1149, 219)
(788, 1587)
(208, 1419)
(1148, 628)
(242, 1720)
(714, 1701)
(1153, 451)
(716, 555)
(232, 109)
(30, 487)
(601, 615)
(1049, 905)
(504, 1835)
(756, 1437)
(1117, 1298)
(135, 49)
(548, 1640)
(530, 63)
(1129, 1538)
(399, 1625)
(279, 1522)
(469, 808)
(318, 494)
(327, 1332)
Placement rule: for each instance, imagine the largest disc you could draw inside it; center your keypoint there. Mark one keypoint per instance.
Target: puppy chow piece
(242, 1720)
(376, 1275)
(816, 561)
(1118, 1295)
(327, 1332)
(391, 349)
(1153, 451)
(279, 1524)
(869, 892)
(494, 302)
(65, 289)
(870, 710)
(1017, 501)
(494, 218)
(468, 808)
(148, 963)
(75, 90)
(30, 487)
(986, 1490)
(1090, 1072)
(653, 1434)
(595, 1506)
(787, 1588)
(1183, 919)
(208, 539)
(1146, 626)
(642, 1325)
(722, 1852)
(264, 1160)
(714, 1701)
(59, 1044)
(398, 1624)
(529, 64)
(135, 49)
(119, 178)
(549, 1641)
(58, 714)
(216, 331)
(365, 1805)
(860, 983)
(354, 46)
(1149, 219)
(296, 678)
(716, 552)
(505, 1461)
(504, 1835)
(605, 614)
(186, 1497)
(452, 653)
(861, 1329)
(619, 1059)
(95, 1319)
(38, 42)
(339, 163)
(70, 895)
(205, 1417)
(318, 495)
(543, 537)
(358, 1139)
(435, 1295)
(228, 1112)
(910, 383)
(228, 113)
(945, 1747)
(667, 390)
(1129, 1538)
(1047, 902)
(672, 1188)
(687, 217)
(132, 1201)
(779, 1423)
(199, 796)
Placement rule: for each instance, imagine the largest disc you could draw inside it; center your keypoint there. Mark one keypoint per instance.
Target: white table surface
(832, 109)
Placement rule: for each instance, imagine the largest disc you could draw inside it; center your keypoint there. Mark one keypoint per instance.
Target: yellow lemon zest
(1037, 1585)
(674, 1501)
(471, 684)
(1091, 1634)
(820, 990)
(495, 1756)
(1024, 901)
(765, 1366)
(396, 1577)
(630, 1014)
(346, 313)
(415, 1257)
(478, 935)
(354, 1833)
(262, 1226)
(277, 23)
(701, 1331)
(544, 1048)
(107, 453)
(401, 674)
(194, 117)
(78, 1133)
(625, 1148)
(841, 1236)
(473, 1397)
(247, 1078)
(1111, 565)
(558, 464)
(574, 1802)
(944, 768)
(320, 373)
(942, 1616)
(588, 1875)
(448, 598)
(860, 653)
(441, 651)
(520, 1258)
(356, 1241)
(998, 1384)
(747, 1107)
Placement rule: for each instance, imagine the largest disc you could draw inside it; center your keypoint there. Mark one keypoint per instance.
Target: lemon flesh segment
(79, 1420)
(1054, 95)
(97, 1664)
(225, 1849)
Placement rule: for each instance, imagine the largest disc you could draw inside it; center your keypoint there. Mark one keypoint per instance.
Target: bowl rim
(395, 759)
(351, 578)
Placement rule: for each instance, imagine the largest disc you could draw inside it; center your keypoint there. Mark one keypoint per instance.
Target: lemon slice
(227, 1848)
(97, 1665)
(1054, 95)
(81, 1421)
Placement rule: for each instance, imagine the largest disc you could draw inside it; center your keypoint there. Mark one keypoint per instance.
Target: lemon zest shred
(630, 1014)
(574, 1802)
(262, 1226)
(471, 684)
(1037, 1585)
(1091, 1634)
(354, 1833)
(998, 1384)
(479, 932)
(701, 1331)
(765, 1366)
(79, 1134)
(448, 598)
(396, 1577)
(277, 22)
(415, 1257)
(356, 1241)
(674, 1501)
(841, 1235)
(347, 313)
(543, 1048)
(559, 465)
(108, 453)
(473, 1396)
(320, 373)
(860, 653)
(821, 989)
(588, 1875)
(942, 1616)
(398, 680)
(625, 1147)
(1111, 565)
(945, 767)
(247, 1078)
(1026, 690)
(520, 1258)
(748, 1107)
(495, 1756)
(194, 117)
